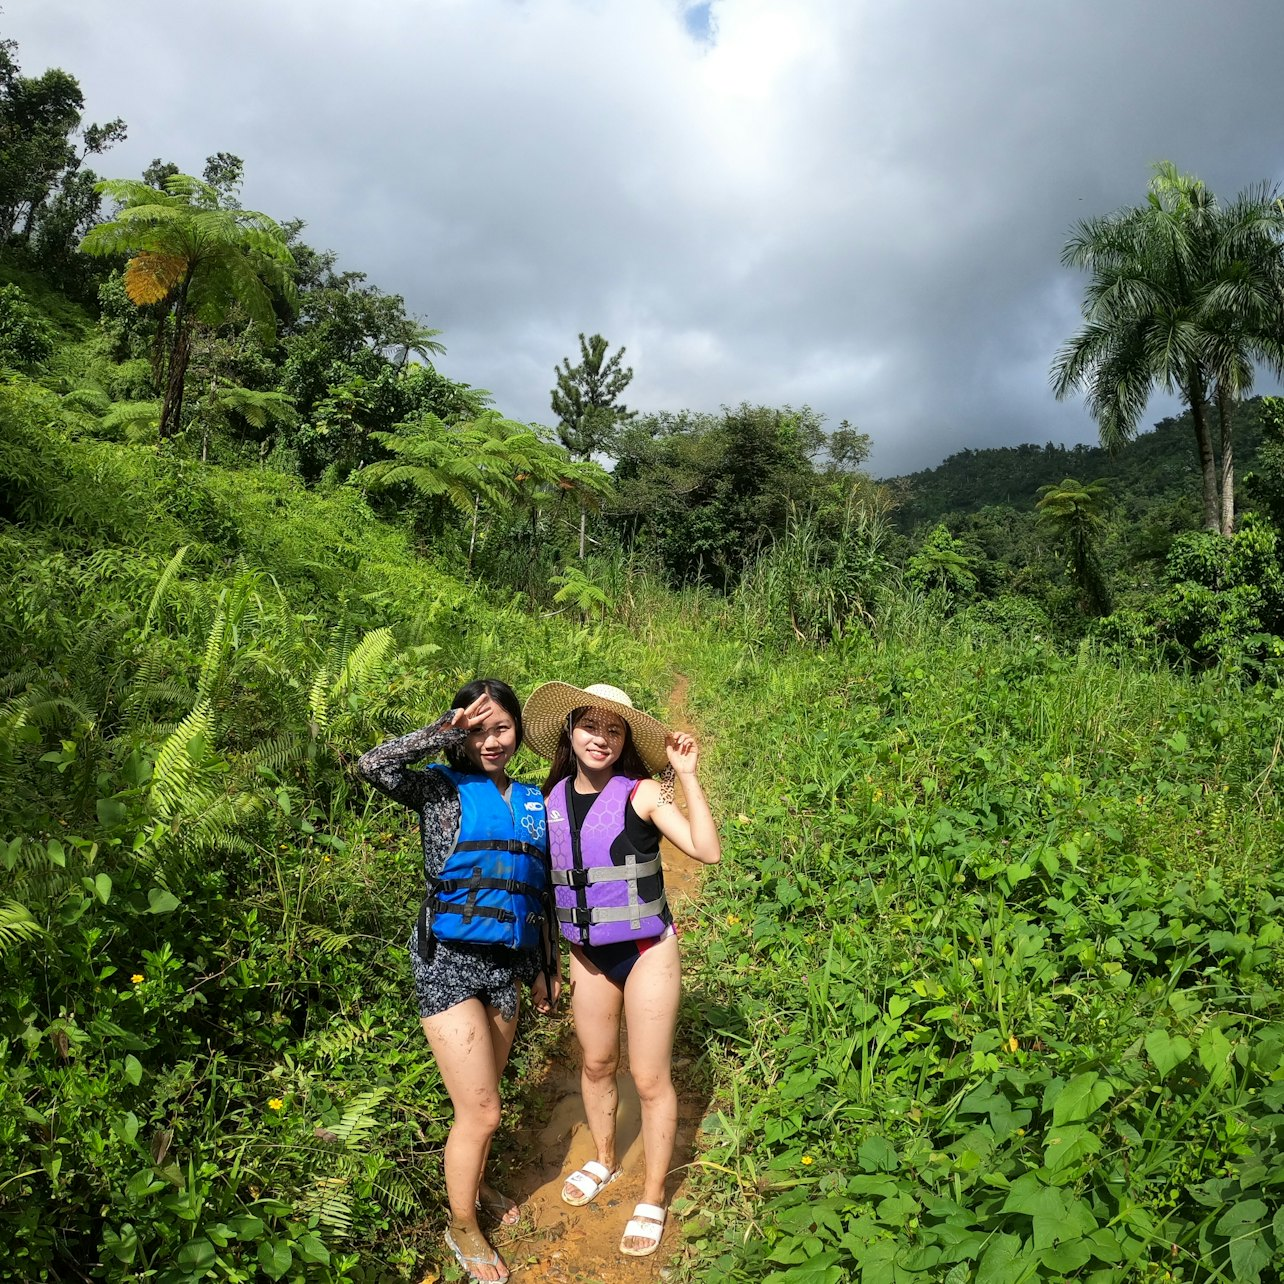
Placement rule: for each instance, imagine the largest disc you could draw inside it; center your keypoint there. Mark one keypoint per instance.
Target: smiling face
(491, 746)
(597, 739)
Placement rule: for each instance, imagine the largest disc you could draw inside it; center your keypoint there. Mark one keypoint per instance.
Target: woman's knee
(479, 1117)
(653, 1087)
(600, 1066)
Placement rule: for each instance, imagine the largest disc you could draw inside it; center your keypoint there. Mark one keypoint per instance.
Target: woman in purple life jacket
(606, 815)
(467, 993)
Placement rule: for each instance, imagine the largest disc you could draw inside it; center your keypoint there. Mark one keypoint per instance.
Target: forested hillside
(986, 987)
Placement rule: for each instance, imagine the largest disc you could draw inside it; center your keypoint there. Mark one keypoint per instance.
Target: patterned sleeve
(388, 768)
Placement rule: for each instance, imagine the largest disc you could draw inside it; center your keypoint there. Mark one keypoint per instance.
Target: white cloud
(843, 202)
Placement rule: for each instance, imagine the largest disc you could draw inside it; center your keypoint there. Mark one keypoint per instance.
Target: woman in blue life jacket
(606, 816)
(482, 928)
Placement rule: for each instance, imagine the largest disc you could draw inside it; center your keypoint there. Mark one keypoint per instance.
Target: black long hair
(629, 763)
(503, 695)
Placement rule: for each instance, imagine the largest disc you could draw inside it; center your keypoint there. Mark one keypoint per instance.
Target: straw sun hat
(547, 707)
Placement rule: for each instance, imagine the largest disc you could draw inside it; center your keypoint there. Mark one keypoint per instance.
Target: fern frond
(161, 585)
(327, 941)
(359, 1119)
(16, 925)
(175, 771)
(330, 1202)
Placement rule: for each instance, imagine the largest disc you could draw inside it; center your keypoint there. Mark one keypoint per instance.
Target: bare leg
(502, 1033)
(596, 1003)
(651, 996)
(463, 1042)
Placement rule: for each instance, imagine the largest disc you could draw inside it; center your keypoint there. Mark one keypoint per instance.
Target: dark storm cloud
(856, 205)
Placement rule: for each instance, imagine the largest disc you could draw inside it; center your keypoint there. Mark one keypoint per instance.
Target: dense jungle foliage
(985, 989)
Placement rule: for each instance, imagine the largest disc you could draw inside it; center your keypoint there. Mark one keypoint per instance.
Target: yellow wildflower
(733, 919)
(275, 1103)
(138, 978)
(1013, 1045)
(806, 1159)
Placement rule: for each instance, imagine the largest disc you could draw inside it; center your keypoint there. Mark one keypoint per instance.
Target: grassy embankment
(987, 986)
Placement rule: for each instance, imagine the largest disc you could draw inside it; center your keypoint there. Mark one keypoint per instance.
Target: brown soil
(561, 1244)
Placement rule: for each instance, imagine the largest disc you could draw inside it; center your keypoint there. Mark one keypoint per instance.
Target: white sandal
(647, 1223)
(590, 1179)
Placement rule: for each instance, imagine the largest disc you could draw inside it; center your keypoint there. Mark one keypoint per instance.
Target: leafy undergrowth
(992, 971)
(989, 975)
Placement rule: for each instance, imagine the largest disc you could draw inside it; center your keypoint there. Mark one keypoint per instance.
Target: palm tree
(1243, 310)
(198, 260)
(1076, 514)
(1185, 294)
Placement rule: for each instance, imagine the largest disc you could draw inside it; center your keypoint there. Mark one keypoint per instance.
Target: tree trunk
(1225, 418)
(583, 526)
(1207, 461)
(180, 354)
(472, 542)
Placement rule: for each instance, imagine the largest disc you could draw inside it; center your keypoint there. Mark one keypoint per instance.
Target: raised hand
(683, 752)
(475, 715)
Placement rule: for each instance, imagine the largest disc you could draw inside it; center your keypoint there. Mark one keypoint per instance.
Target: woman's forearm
(706, 846)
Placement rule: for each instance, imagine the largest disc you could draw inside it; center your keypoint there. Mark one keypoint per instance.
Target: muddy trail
(563, 1245)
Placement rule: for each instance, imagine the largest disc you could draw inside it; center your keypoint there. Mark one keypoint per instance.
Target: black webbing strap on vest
(580, 885)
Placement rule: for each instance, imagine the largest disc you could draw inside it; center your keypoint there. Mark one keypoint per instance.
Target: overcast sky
(852, 204)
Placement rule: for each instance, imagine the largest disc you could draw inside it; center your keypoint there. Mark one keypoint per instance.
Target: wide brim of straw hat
(546, 709)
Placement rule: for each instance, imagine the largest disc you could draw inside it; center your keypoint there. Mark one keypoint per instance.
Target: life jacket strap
(500, 845)
(634, 914)
(587, 875)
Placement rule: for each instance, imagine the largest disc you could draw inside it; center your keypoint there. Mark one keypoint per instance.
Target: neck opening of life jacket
(492, 889)
(603, 890)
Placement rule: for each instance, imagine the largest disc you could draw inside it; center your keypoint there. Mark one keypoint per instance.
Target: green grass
(986, 985)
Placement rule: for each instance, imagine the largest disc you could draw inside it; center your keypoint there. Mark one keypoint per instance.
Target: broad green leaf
(161, 901)
(197, 1255)
(1245, 1215)
(1067, 1256)
(133, 1070)
(877, 1155)
(275, 1257)
(1166, 1051)
(1080, 1098)
(1069, 1145)
(102, 887)
(311, 1249)
(1003, 1261)
(1214, 1054)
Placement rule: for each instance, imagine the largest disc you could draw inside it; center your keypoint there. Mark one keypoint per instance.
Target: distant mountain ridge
(1157, 465)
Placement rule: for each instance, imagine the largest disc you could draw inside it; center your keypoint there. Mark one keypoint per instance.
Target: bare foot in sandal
(475, 1255)
(498, 1205)
(642, 1235)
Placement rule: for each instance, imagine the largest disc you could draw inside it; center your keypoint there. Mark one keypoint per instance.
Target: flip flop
(500, 1207)
(589, 1180)
(467, 1263)
(647, 1223)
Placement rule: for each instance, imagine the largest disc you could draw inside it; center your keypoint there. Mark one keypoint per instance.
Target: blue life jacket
(492, 888)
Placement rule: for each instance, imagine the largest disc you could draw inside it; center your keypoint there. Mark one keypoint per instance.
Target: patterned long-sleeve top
(430, 794)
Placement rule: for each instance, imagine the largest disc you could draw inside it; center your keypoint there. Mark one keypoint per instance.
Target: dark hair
(629, 763)
(503, 695)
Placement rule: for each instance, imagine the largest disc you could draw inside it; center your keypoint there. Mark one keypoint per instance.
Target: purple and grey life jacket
(597, 876)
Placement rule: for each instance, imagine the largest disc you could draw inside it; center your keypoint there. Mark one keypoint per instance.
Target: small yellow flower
(325, 860)
(138, 978)
(733, 919)
(806, 1159)
(878, 794)
(275, 1103)
(1013, 1045)
(1020, 1132)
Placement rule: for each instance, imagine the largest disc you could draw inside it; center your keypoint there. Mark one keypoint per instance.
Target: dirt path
(564, 1245)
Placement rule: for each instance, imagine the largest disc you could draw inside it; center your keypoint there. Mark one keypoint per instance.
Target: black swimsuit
(616, 961)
